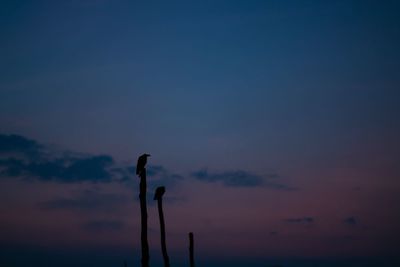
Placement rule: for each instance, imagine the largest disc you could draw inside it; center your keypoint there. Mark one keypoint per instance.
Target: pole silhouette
(191, 249)
(158, 196)
(141, 171)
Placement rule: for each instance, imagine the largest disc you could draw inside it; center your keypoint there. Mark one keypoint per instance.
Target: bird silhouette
(141, 163)
(159, 192)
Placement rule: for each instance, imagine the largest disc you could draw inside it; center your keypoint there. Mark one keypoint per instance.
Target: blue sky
(291, 105)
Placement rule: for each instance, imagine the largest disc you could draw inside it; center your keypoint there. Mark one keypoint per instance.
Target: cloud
(11, 167)
(18, 144)
(86, 201)
(350, 220)
(155, 170)
(240, 178)
(230, 178)
(103, 226)
(66, 170)
(303, 220)
(16, 160)
(157, 175)
(25, 158)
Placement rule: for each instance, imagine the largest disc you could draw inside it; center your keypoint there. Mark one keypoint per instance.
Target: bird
(141, 163)
(159, 192)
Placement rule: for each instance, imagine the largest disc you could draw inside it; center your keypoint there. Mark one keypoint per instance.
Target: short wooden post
(191, 249)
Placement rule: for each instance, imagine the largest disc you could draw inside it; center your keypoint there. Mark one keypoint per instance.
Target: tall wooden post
(158, 196)
(143, 210)
(191, 249)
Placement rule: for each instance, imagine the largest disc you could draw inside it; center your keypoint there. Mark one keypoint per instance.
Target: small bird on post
(141, 163)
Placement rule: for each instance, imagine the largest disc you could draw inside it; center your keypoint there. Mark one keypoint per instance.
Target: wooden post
(143, 210)
(158, 196)
(191, 248)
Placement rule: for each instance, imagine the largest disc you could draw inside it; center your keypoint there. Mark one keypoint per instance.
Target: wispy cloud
(273, 233)
(157, 175)
(303, 220)
(350, 220)
(103, 226)
(86, 201)
(240, 178)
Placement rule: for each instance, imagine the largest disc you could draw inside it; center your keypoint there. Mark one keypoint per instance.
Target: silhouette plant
(158, 196)
(141, 171)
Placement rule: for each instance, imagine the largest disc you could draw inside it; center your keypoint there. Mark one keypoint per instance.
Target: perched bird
(141, 163)
(159, 192)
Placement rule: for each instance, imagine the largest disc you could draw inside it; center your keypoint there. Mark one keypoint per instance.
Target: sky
(274, 126)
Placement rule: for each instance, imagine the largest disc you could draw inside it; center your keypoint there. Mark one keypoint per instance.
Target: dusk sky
(274, 126)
